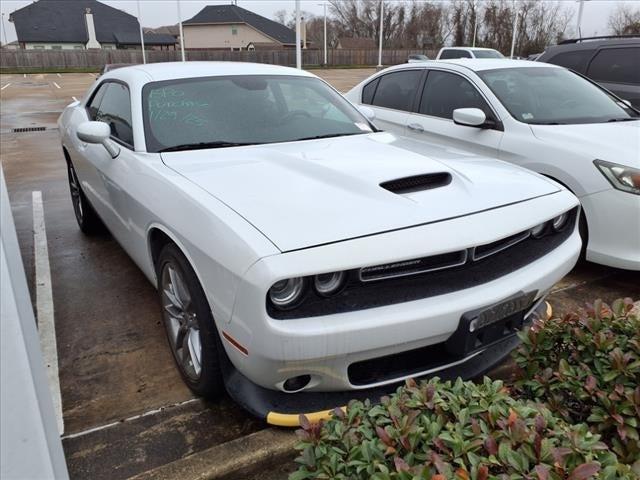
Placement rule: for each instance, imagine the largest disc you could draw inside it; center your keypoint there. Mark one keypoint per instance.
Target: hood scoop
(417, 183)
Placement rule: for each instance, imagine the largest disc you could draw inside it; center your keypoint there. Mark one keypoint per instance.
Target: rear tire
(86, 216)
(189, 325)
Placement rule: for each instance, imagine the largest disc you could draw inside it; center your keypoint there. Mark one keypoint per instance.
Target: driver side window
(444, 92)
(115, 111)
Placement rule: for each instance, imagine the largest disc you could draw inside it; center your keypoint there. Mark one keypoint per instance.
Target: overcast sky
(164, 12)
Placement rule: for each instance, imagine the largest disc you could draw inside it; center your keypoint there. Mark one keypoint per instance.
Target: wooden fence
(96, 59)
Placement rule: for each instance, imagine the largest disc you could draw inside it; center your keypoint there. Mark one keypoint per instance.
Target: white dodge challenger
(302, 257)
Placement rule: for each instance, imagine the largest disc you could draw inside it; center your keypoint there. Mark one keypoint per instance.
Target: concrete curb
(232, 460)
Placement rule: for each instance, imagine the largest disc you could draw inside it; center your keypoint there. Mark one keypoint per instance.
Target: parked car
(446, 53)
(535, 115)
(613, 62)
(414, 58)
(301, 256)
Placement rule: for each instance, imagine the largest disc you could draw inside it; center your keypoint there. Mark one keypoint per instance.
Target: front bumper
(283, 409)
(613, 219)
(325, 347)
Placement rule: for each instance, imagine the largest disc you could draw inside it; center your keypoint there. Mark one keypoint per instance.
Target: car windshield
(487, 54)
(553, 96)
(227, 111)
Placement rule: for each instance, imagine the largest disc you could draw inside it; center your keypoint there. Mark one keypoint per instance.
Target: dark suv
(613, 62)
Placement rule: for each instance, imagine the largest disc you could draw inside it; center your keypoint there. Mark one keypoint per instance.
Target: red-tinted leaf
(438, 476)
(584, 471)
(475, 426)
(401, 465)
(384, 436)
(541, 424)
(483, 472)
(490, 445)
(462, 473)
(542, 471)
(411, 383)
(513, 416)
(338, 412)
(437, 462)
(304, 422)
(591, 384)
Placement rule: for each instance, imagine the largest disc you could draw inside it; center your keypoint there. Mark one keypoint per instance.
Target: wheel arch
(583, 221)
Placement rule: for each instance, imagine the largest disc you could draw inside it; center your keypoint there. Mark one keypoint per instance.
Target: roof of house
(62, 21)
(356, 42)
(225, 14)
(173, 30)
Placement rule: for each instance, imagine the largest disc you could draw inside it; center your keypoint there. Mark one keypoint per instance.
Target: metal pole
(325, 33)
(298, 49)
(579, 25)
(4, 30)
(380, 40)
(181, 32)
(515, 31)
(475, 21)
(144, 57)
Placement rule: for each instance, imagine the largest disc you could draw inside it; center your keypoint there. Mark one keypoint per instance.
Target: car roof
(176, 70)
(476, 64)
(591, 44)
(467, 48)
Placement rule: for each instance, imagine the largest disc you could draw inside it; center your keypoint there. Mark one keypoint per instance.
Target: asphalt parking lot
(124, 407)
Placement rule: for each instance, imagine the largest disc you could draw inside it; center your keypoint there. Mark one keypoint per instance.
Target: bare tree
(625, 20)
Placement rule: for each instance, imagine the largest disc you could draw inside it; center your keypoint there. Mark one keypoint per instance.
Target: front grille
(483, 251)
(360, 295)
(413, 267)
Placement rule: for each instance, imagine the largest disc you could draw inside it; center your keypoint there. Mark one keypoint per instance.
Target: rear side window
(92, 106)
(397, 90)
(368, 91)
(454, 54)
(576, 60)
(444, 92)
(115, 110)
(617, 65)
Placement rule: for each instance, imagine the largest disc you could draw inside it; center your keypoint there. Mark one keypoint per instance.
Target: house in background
(80, 24)
(172, 30)
(231, 27)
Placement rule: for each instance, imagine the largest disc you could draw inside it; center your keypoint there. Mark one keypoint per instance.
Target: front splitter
(284, 409)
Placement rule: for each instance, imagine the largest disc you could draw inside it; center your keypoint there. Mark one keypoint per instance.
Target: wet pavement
(125, 408)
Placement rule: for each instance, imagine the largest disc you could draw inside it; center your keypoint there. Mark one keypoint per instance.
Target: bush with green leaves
(586, 368)
(441, 430)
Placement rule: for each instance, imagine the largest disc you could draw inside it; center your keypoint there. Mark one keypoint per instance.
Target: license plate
(480, 328)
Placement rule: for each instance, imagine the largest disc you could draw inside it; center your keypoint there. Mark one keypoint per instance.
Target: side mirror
(367, 112)
(98, 133)
(471, 117)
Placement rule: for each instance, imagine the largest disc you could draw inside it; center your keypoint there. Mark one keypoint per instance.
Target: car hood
(617, 142)
(309, 193)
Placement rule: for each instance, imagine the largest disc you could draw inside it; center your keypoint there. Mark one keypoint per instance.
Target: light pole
(579, 22)
(4, 31)
(515, 29)
(298, 49)
(181, 32)
(144, 57)
(380, 40)
(324, 4)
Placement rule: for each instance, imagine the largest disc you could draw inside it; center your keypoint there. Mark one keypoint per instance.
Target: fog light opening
(295, 384)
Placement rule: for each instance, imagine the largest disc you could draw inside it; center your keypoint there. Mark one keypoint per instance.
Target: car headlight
(560, 221)
(328, 283)
(539, 230)
(622, 178)
(287, 293)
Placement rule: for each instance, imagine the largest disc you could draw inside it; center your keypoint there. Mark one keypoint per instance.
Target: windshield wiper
(628, 119)
(202, 145)
(328, 135)
(546, 123)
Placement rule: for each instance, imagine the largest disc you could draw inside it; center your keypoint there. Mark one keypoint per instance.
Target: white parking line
(59, 76)
(44, 306)
(2, 88)
(74, 99)
(24, 75)
(128, 419)
(56, 85)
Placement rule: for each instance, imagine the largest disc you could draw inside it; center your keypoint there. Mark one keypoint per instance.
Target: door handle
(416, 127)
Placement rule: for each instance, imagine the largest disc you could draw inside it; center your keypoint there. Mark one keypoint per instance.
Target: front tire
(189, 325)
(87, 218)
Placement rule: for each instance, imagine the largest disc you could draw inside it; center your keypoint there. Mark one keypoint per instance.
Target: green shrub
(459, 431)
(586, 368)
